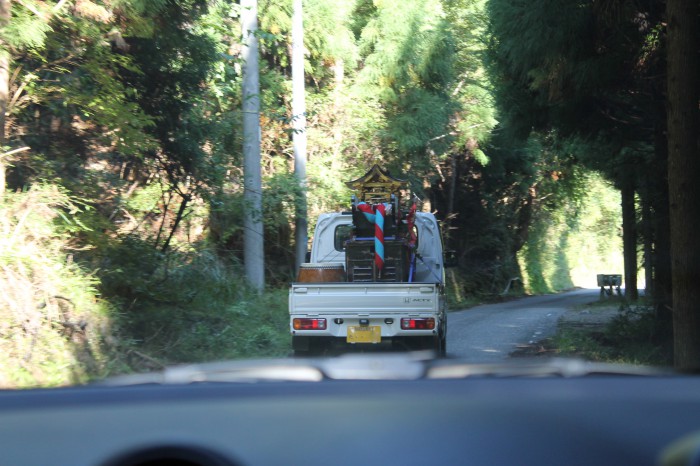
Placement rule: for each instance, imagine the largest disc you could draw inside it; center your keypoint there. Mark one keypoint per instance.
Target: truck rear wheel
(432, 343)
(301, 346)
(438, 343)
(307, 346)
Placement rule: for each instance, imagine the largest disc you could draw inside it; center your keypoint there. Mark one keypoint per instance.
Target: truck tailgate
(362, 298)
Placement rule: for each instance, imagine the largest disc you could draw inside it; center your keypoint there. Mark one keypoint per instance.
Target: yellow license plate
(364, 334)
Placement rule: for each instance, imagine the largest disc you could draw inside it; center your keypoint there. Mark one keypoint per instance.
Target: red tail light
(418, 324)
(309, 324)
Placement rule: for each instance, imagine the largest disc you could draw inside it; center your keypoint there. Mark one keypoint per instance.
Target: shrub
(54, 328)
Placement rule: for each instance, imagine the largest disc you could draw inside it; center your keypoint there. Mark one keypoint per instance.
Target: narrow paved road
(489, 333)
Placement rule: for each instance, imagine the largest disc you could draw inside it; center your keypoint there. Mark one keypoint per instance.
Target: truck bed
(363, 298)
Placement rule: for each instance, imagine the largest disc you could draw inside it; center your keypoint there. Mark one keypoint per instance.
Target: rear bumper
(319, 344)
(390, 324)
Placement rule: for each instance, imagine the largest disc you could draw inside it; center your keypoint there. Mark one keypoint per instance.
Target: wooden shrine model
(381, 248)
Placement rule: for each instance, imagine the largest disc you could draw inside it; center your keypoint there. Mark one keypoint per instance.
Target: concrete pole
(299, 134)
(253, 254)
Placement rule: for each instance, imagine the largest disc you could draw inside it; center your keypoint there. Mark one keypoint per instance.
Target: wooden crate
(360, 266)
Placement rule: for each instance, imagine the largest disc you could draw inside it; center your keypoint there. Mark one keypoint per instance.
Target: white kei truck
(342, 300)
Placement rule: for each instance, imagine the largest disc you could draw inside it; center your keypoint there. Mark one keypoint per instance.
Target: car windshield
(478, 181)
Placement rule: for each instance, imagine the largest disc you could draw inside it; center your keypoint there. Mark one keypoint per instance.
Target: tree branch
(31, 8)
(58, 6)
(14, 151)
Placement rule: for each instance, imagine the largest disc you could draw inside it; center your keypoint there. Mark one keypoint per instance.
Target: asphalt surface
(489, 333)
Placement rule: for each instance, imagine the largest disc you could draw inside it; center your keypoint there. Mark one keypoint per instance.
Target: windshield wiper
(554, 367)
(390, 366)
(226, 371)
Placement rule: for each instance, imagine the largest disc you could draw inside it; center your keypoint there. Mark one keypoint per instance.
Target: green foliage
(574, 239)
(133, 106)
(190, 307)
(407, 51)
(97, 95)
(137, 15)
(54, 327)
(173, 66)
(459, 295)
(632, 337)
(327, 36)
(577, 67)
(282, 191)
(25, 31)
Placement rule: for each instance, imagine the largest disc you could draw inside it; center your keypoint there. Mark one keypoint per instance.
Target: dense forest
(548, 137)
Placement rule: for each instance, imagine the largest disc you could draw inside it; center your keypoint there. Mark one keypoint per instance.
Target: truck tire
(301, 346)
(431, 343)
(436, 345)
(308, 347)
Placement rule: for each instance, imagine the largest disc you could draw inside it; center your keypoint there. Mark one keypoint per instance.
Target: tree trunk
(164, 219)
(299, 135)
(5, 16)
(339, 111)
(647, 233)
(629, 237)
(662, 287)
(253, 247)
(683, 175)
(176, 223)
(453, 186)
(524, 220)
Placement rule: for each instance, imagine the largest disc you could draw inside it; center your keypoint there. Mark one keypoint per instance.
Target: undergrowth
(72, 313)
(54, 327)
(460, 290)
(634, 336)
(190, 306)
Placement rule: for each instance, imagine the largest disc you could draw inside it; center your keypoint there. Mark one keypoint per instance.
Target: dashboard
(477, 420)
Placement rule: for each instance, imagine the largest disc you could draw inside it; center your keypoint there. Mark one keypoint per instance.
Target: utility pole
(299, 131)
(253, 254)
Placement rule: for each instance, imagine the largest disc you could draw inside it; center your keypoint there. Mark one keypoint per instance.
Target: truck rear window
(342, 234)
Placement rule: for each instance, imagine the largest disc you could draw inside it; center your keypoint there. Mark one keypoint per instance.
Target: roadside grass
(54, 325)
(255, 326)
(633, 336)
(461, 291)
(187, 305)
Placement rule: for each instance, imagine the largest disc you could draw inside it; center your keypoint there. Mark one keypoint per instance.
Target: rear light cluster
(309, 324)
(418, 324)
